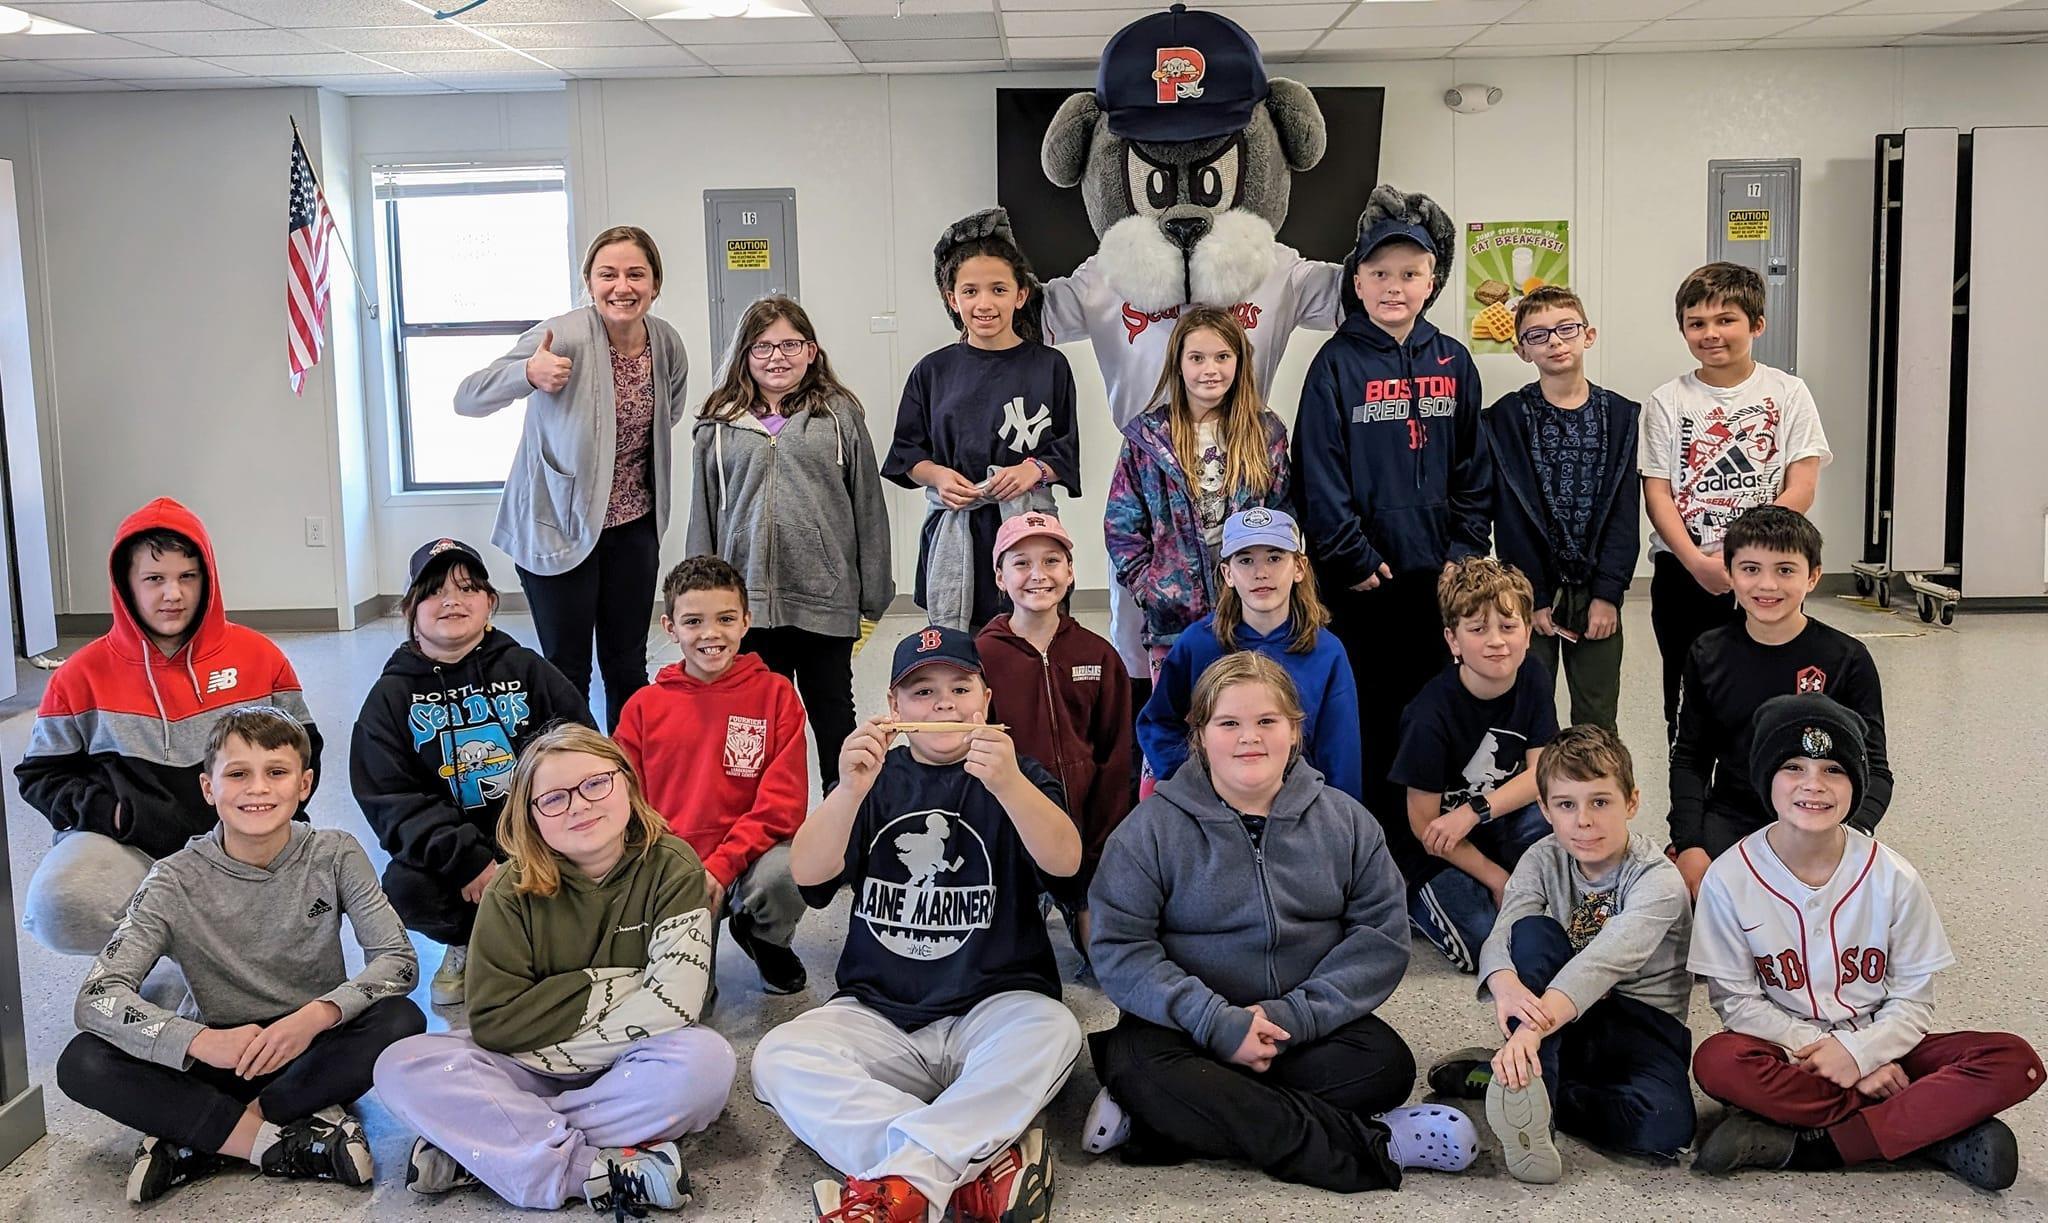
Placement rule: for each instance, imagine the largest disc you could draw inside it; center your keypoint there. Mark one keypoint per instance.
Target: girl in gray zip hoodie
(786, 490)
(1249, 920)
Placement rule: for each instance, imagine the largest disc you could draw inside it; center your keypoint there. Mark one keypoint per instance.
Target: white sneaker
(1520, 1118)
(627, 1180)
(447, 987)
(1108, 1126)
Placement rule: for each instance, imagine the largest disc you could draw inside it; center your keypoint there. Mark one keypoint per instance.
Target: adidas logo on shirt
(320, 908)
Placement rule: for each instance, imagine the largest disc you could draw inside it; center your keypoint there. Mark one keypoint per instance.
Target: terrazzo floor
(1968, 724)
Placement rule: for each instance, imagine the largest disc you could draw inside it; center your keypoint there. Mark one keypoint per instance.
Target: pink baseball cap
(1021, 527)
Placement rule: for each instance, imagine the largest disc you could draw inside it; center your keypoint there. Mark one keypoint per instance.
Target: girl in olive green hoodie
(588, 972)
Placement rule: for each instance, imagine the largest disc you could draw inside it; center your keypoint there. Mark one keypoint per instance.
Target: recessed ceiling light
(14, 21)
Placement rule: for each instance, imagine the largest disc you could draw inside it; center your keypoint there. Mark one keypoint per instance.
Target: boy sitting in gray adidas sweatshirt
(1586, 965)
(276, 1038)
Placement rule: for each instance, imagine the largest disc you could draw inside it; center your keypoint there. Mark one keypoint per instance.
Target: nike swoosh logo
(1748, 929)
(1447, 360)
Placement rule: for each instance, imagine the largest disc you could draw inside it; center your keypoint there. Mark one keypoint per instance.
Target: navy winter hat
(1180, 75)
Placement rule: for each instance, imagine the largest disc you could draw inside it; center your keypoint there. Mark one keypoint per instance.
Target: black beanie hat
(1811, 725)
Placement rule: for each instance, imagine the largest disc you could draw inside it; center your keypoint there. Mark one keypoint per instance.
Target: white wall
(353, 528)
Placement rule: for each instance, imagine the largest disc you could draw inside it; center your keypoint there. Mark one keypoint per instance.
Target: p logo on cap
(929, 640)
(1816, 743)
(1179, 72)
(441, 545)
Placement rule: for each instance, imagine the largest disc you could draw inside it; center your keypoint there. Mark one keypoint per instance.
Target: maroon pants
(1958, 1080)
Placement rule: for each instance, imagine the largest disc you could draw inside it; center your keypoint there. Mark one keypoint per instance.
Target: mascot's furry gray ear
(1184, 154)
(1392, 214)
(987, 232)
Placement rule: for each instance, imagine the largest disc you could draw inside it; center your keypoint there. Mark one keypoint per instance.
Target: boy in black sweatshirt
(1391, 468)
(1773, 558)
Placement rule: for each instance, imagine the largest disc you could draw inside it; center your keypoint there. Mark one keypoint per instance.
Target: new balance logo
(221, 680)
(320, 908)
(1021, 431)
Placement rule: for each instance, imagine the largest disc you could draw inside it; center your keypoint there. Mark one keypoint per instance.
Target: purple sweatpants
(532, 1137)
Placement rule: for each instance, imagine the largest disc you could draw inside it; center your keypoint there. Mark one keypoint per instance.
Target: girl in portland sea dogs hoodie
(435, 744)
(1391, 467)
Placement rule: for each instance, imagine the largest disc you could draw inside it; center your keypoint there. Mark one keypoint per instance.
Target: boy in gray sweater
(277, 1037)
(1587, 971)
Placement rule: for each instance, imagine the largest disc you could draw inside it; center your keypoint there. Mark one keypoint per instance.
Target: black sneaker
(161, 1166)
(1745, 1140)
(781, 971)
(1985, 1155)
(1464, 1075)
(319, 1149)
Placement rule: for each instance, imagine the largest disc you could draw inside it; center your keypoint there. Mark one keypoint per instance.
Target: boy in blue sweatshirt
(1391, 469)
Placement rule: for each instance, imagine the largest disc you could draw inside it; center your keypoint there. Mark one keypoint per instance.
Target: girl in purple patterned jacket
(1209, 450)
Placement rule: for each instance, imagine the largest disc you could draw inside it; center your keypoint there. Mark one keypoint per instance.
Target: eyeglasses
(1537, 337)
(763, 349)
(595, 788)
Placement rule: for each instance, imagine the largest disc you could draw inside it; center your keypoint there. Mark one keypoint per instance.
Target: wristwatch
(1481, 807)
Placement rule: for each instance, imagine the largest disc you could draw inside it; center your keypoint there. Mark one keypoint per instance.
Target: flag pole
(369, 302)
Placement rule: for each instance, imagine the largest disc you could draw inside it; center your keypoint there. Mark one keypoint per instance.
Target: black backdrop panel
(1322, 218)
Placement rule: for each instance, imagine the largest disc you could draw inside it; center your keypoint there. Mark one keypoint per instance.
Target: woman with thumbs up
(588, 494)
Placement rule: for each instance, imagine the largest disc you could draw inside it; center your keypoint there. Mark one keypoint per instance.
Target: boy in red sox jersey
(1819, 947)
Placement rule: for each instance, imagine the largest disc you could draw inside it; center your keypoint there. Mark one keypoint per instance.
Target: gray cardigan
(1193, 926)
(800, 515)
(561, 479)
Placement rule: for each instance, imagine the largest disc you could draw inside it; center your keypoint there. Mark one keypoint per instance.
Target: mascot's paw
(1232, 260)
(1143, 265)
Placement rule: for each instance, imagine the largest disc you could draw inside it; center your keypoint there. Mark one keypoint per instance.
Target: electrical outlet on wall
(316, 532)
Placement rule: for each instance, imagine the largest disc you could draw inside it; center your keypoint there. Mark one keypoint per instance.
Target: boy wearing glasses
(1565, 500)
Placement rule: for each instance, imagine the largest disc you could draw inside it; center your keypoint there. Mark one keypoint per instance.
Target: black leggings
(822, 668)
(1681, 612)
(610, 594)
(199, 1107)
(1307, 1119)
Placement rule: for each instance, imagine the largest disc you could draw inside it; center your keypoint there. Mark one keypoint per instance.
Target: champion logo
(1178, 71)
(221, 680)
(320, 908)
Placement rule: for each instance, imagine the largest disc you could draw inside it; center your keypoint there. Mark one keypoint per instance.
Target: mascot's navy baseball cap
(1180, 75)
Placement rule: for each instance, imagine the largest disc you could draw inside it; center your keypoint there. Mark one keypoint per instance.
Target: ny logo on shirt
(1021, 431)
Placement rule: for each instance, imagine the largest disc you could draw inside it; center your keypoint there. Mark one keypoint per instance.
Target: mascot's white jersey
(1130, 345)
(1852, 958)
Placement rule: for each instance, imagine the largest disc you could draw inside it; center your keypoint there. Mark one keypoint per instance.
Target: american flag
(305, 276)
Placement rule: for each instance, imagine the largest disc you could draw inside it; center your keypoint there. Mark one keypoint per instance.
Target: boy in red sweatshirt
(1063, 693)
(718, 741)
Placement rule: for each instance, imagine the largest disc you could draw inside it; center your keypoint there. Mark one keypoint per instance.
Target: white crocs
(1107, 1127)
(1433, 1136)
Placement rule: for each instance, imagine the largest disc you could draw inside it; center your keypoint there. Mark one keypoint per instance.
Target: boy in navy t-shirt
(946, 844)
(1469, 744)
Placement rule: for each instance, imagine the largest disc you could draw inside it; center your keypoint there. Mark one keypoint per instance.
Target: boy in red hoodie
(718, 741)
(1063, 694)
(114, 756)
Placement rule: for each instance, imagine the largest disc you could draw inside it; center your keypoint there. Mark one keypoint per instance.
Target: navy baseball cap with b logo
(934, 643)
(1180, 75)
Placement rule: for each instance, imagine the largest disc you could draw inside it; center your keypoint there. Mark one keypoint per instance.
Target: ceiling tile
(65, 86)
(771, 54)
(386, 82)
(22, 70)
(1630, 47)
(1725, 29)
(502, 82)
(938, 25)
(1134, 7)
(206, 82)
(1440, 12)
(626, 74)
(1260, 18)
(1878, 26)
(1050, 23)
(1468, 51)
(746, 30)
(912, 50)
(333, 63)
(848, 68)
(443, 37)
(578, 59)
(887, 8)
(233, 42)
(1785, 43)
(575, 34)
(1762, 8)
(1283, 42)
(1869, 7)
(1397, 38)
(2005, 21)
(1054, 48)
(1547, 11)
(70, 46)
(137, 15)
(161, 68)
(312, 14)
(938, 66)
(515, 12)
(439, 63)
(1581, 33)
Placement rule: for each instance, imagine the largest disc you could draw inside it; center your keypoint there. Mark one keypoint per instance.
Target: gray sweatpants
(81, 890)
(766, 893)
(930, 1106)
(532, 1137)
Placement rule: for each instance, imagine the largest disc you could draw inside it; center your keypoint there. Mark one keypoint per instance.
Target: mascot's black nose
(1185, 231)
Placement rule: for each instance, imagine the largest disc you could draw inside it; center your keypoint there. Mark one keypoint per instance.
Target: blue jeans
(1454, 911)
(1618, 1074)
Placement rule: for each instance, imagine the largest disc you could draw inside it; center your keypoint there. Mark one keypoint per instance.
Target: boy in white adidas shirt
(1819, 947)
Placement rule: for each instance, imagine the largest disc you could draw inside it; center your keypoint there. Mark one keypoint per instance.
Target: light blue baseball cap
(1260, 526)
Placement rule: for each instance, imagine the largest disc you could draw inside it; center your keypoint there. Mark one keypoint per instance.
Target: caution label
(751, 254)
(1749, 225)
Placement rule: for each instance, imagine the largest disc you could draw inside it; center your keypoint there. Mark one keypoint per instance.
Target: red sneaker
(1015, 1187)
(888, 1200)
